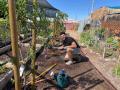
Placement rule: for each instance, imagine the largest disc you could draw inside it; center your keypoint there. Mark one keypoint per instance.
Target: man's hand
(61, 47)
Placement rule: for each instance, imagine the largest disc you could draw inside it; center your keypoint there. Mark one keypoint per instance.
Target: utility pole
(91, 11)
(92, 8)
(14, 42)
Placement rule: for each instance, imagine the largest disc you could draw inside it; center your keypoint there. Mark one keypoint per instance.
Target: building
(112, 22)
(103, 11)
(108, 18)
(71, 25)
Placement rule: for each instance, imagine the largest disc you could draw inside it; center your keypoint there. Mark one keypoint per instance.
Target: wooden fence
(112, 25)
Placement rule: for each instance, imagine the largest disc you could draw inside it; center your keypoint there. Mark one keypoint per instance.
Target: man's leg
(69, 54)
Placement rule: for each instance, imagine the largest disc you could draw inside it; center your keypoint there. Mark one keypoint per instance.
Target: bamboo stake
(33, 49)
(47, 70)
(14, 42)
(44, 72)
(33, 59)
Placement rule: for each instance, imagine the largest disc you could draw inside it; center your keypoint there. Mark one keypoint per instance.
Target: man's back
(68, 41)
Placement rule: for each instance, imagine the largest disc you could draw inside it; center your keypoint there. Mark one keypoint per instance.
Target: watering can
(62, 79)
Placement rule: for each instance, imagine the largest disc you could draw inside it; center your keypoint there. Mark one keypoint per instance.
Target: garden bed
(4, 78)
(83, 75)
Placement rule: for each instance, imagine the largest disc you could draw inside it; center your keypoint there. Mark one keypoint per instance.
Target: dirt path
(84, 75)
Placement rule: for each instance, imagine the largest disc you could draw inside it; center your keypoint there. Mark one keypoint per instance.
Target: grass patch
(116, 71)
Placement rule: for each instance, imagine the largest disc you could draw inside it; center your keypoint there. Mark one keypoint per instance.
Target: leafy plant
(59, 23)
(112, 42)
(3, 69)
(87, 38)
(100, 33)
(116, 71)
(3, 8)
(4, 32)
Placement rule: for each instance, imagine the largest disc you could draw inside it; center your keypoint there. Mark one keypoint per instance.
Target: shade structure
(50, 10)
(45, 4)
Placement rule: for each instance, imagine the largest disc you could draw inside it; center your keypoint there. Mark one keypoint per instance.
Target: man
(71, 46)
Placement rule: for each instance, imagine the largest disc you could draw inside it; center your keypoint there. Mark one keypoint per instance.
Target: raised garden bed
(4, 78)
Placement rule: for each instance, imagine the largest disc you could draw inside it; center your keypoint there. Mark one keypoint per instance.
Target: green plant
(100, 33)
(59, 23)
(3, 70)
(87, 38)
(4, 32)
(3, 8)
(111, 41)
(116, 70)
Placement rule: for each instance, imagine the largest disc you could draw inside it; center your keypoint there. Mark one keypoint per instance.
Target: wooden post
(14, 43)
(33, 51)
(34, 55)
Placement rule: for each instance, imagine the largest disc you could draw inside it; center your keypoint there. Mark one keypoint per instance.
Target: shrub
(87, 38)
(116, 71)
(112, 42)
(100, 33)
(4, 32)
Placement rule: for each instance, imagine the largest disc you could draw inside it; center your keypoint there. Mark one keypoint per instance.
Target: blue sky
(79, 9)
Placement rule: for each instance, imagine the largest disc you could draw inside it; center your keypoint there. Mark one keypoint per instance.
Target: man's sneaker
(69, 62)
(66, 59)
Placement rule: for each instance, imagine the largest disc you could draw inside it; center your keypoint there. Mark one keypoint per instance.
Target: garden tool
(62, 79)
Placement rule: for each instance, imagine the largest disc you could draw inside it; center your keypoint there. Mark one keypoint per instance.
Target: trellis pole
(14, 42)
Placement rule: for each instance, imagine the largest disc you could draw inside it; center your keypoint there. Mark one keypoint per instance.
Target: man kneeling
(71, 46)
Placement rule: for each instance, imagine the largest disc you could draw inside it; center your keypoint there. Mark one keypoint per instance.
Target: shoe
(66, 59)
(69, 62)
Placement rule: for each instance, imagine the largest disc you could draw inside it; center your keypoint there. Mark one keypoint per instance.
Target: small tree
(59, 23)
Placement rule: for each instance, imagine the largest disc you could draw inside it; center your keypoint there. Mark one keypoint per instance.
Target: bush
(112, 42)
(87, 38)
(4, 33)
(100, 33)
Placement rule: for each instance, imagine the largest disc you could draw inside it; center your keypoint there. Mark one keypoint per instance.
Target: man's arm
(61, 47)
(73, 45)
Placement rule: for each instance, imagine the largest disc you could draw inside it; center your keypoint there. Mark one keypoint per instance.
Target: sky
(80, 9)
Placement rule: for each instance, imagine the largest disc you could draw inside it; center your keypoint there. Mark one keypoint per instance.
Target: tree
(59, 23)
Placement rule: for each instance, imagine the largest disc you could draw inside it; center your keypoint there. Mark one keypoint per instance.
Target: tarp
(50, 10)
(45, 4)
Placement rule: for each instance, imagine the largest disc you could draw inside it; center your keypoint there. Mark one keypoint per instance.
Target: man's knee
(69, 49)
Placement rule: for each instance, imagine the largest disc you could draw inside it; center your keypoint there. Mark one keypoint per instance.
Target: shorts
(76, 51)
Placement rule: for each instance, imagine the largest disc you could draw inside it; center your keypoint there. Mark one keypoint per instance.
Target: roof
(114, 14)
(44, 4)
(50, 10)
(116, 7)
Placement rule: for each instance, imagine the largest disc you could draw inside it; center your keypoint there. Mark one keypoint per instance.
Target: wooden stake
(33, 49)
(44, 72)
(14, 42)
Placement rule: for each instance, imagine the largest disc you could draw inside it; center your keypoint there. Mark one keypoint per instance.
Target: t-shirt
(68, 41)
